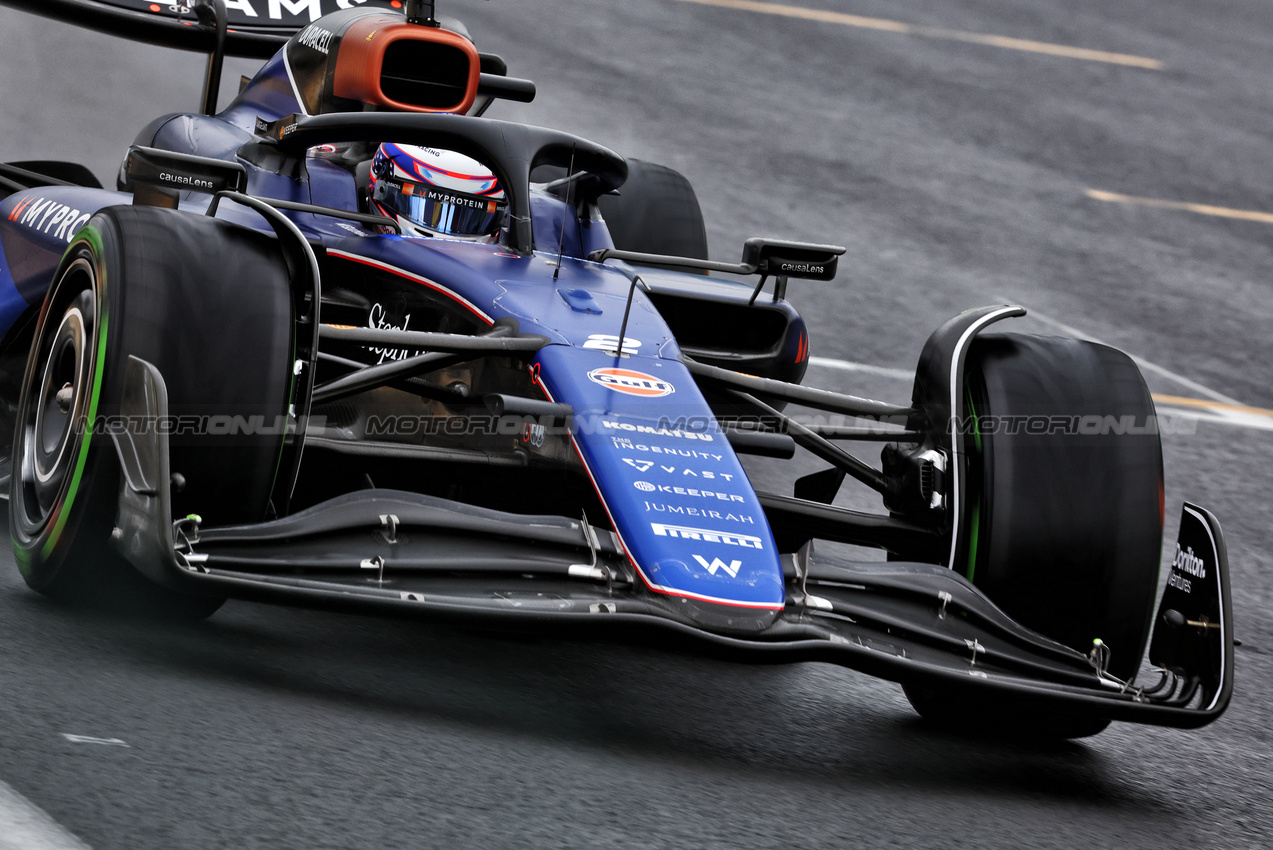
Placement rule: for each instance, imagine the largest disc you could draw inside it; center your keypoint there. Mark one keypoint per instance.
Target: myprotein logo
(704, 535)
(48, 217)
(457, 200)
(631, 382)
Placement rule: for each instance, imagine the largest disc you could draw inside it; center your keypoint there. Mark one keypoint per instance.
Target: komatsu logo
(624, 443)
(1187, 562)
(717, 564)
(50, 218)
(707, 536)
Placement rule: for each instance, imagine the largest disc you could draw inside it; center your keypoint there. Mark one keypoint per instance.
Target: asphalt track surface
(955, 170)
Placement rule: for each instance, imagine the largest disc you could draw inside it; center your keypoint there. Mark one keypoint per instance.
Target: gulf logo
(631, 382)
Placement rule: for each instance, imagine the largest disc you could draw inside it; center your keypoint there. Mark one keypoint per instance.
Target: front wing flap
(381, 551)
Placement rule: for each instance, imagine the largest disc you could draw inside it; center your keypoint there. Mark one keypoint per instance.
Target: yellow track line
(934, 32)
(1211, 405)
(1200, 209)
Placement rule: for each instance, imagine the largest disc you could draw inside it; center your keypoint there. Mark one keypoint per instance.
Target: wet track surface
(956, 174)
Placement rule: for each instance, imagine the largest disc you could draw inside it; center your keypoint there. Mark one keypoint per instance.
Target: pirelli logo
(747, 541)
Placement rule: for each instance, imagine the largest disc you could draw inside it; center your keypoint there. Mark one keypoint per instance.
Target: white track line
(25, 826)
(1140, 361)
(1237, 420)
(1220, 410)
(846, 366)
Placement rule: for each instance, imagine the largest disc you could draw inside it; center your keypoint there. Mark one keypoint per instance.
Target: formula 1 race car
(347, 342)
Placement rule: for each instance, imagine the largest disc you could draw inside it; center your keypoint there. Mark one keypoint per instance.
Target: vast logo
(717, 564)
(745, 540)
(631, 382)
(641, 465)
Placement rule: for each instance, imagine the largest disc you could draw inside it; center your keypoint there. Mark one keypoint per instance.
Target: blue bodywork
(483, 522)
(676, 494)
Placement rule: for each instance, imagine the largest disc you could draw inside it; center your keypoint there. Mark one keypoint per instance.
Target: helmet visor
(441, 211)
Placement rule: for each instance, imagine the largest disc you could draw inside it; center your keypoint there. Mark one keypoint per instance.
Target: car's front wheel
(205, 302)
(1063, 530)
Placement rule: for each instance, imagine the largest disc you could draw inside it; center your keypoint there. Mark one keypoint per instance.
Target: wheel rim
(58, 392)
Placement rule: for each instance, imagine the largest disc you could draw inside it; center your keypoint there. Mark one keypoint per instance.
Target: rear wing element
(256, 29)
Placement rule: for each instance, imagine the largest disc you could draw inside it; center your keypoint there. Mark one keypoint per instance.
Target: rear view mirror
(791, 259)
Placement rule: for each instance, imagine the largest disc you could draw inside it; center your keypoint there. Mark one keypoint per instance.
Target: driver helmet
(432, 192)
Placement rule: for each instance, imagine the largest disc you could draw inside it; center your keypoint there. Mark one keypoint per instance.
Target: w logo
(717, 564)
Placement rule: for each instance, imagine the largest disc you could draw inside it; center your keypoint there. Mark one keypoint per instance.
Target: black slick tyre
(1065, 514)
(655, 212)
(207, 303)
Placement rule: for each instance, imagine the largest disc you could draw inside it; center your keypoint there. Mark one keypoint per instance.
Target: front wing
(385, 551)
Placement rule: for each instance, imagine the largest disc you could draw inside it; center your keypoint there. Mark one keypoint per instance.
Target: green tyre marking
(972, 539)
(976, 508)
(94, 239)
(976, 422)
(291, 398)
